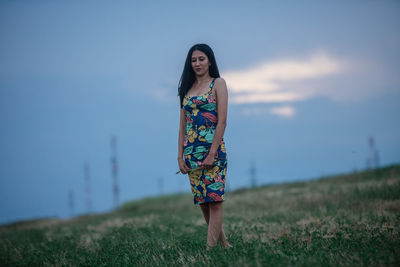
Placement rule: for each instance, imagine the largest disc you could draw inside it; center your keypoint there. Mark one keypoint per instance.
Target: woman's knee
(204, 207)
(215, 205)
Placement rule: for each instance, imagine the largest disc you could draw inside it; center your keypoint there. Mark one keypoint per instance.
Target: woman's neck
(203, 79)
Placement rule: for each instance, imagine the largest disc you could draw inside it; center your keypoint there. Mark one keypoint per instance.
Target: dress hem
(209, 202)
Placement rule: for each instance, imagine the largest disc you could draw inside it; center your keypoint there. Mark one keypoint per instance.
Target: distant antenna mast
(87, 184)
(114, 170)
(228, 185)
(373, 154)
(71, 202)
(253, 171)
(160, 186)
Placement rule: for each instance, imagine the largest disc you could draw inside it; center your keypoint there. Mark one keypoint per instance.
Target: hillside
(351, 219)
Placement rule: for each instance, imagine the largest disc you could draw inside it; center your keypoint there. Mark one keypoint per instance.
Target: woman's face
(200, 63)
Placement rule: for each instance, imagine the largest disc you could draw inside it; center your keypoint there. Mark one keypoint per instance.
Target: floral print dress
(201, 120)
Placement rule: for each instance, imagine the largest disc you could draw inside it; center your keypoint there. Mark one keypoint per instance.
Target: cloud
(285, 111)
(163, 95)
(282, 81)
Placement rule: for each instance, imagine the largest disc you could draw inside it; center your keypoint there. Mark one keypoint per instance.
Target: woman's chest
(205, 102)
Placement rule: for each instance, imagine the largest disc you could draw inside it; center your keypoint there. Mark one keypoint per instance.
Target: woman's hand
(208, 162)
(182, 166)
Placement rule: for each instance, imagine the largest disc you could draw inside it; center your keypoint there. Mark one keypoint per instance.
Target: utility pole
(160, 186)
(373, 154)
(253, 171)
(228, 185)
(71, 202)
(87, 188)
(114, 170)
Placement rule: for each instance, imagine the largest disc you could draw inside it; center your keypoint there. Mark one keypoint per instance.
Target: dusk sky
(308, 82)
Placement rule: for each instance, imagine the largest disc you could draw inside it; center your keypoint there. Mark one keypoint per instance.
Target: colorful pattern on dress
(201, 121)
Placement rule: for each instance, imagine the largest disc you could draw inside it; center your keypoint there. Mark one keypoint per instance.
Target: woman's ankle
(225, 243)
(208, 247)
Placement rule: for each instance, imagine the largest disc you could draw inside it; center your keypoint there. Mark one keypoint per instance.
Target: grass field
(346, 220)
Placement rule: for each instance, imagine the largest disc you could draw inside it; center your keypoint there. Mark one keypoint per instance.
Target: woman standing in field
(201, 151)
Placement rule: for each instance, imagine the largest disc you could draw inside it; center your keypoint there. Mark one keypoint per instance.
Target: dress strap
(212, 84)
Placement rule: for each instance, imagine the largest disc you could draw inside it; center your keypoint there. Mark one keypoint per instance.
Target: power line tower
(228, 184)
(373, 154)
(253, 171)
(87, 187)
(160, 186)
(71, 202)
(114, 170)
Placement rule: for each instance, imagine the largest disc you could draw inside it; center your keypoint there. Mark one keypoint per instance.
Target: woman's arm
(182, 125)
(221, 92)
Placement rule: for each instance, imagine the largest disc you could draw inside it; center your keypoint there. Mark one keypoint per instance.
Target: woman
(201, 154)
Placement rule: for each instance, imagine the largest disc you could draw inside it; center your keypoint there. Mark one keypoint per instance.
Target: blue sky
(308, 83)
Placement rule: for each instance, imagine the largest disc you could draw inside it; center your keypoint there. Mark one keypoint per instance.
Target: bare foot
(208, 248)
(226, 244)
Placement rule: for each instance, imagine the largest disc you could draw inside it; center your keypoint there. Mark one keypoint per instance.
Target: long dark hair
(188, 76)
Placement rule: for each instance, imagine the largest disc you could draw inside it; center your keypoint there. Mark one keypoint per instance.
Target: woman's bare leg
(215, 223)
(205, 208)
(206, 211)
(222, 239)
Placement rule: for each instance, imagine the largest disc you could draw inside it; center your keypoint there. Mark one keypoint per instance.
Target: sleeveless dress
(201, 120)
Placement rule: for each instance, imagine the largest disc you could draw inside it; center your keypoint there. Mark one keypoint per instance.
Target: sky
(309, 82)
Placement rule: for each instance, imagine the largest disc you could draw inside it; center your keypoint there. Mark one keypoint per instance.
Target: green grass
(347, 220)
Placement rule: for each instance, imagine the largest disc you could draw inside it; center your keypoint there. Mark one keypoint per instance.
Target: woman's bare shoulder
(220, 82)
(220, 87)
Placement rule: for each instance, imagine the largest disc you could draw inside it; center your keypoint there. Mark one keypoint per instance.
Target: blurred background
(89, 109)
